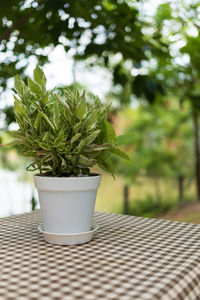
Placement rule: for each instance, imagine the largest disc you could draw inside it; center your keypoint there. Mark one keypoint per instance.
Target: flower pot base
(68, 239)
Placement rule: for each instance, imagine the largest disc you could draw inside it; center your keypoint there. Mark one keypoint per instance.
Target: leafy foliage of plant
(63, 133)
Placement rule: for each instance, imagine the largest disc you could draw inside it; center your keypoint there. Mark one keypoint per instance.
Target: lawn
(110, 194)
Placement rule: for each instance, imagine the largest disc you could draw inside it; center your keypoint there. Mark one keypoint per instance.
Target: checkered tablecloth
(129, 258)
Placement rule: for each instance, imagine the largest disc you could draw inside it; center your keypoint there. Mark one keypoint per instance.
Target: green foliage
(67, 23)
(163, 142)
(179, 72)
(124, 139)
(9, 157)
(163, 13)
(148, 88)
(108, 33)
(148, 207)
(64, 134)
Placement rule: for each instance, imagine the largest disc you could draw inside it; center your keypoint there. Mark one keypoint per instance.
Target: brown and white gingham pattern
(129, 258)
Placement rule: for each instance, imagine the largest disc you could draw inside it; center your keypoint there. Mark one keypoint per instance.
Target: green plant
(150, 208)
(63, 133)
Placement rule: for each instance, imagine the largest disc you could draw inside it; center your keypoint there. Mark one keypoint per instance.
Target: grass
(110, 194)
(141, 196)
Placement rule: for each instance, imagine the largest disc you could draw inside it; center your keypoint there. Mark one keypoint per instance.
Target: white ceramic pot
(67, 203)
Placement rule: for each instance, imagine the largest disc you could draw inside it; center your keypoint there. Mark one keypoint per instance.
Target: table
(129, 258)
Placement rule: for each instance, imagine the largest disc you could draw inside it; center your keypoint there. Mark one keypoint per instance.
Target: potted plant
(65, 136)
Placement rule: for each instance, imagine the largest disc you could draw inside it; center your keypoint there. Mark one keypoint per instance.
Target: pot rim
(67, 183)
(92, 175)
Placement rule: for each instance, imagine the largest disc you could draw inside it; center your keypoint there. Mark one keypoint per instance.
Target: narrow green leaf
(19, 85)
(63, 103)
(92, 119)
(45, 98)
(32, 167)
(75, 137)
(19, 107)
(45, 137)
(77, 126)
(43, 153)
(125, 139)
(67, 169)
(46, 158)
(85, 162)
(67, 149)
(96, 147)
(80, 145)
(105, 164)
(56, 115)
(68, 156)
(44, 146)
(120, 153)
(61, 147)
(58, 141)
(29, 153)
(34, 87)
(47, 119)
(19, 141)
(39, 76)
(81, 108)
(90, 138)
(37, 121)
(110, 132)
(32, 108)
(29, 137)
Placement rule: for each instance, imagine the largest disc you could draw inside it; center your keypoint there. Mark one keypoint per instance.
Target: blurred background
(144, 58)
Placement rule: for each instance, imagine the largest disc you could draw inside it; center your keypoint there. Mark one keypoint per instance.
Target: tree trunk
(197, 152)
(157, 189)
(126, 199)
(180, 188)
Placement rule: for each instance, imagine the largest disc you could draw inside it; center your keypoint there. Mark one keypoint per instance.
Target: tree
(108, 33)
(179, 73)
(94, 28)
(162, 146)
